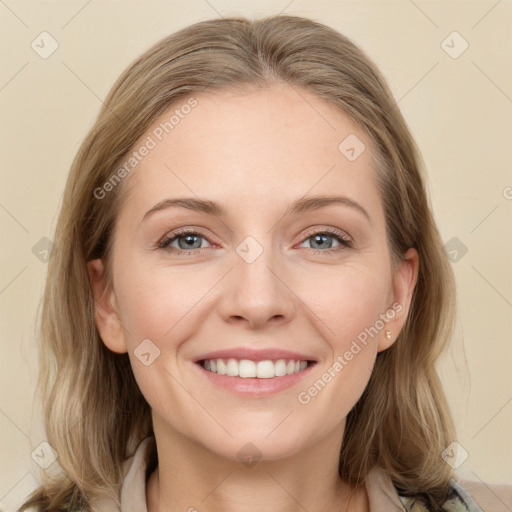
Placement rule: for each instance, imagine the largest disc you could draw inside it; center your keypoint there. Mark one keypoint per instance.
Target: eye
(322, 241)
(188, 241)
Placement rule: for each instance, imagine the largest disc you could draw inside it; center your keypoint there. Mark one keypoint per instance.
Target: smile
(246, 368)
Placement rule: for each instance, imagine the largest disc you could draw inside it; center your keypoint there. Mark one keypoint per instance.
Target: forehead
(257, 147)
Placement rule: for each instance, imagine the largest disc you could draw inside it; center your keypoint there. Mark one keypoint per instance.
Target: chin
(252, 445)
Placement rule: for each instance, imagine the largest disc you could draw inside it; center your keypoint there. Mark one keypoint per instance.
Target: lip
(254, 354)
(252, 386)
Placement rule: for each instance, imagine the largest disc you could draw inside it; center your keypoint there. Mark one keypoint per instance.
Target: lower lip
(253, 386)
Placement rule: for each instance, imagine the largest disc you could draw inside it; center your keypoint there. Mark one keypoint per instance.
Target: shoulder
(490, 497)
(467, 496)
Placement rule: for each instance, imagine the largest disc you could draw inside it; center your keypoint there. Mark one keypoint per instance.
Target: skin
(255, 152)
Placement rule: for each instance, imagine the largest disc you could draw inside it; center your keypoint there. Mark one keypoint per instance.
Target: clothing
(382, 495)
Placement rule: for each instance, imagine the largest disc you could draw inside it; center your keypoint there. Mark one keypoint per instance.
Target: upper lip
(254, 354)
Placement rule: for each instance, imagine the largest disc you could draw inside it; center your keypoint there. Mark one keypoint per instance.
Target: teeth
(246, 368)
(265, 370)
(221, 367)
(232, 368)
(280, 367)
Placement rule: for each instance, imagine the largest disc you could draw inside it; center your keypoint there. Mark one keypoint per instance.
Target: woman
(249, 293)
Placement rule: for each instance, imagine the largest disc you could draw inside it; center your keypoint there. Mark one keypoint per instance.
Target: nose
(257, 294)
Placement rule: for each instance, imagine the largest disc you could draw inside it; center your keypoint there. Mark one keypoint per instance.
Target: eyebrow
(212, 208)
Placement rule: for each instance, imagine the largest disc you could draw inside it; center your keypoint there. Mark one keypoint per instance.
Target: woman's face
(268, 277)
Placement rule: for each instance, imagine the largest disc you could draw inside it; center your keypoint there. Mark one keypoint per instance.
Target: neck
(191, 478)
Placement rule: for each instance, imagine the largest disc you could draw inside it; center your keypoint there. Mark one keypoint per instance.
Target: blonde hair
(94, 412)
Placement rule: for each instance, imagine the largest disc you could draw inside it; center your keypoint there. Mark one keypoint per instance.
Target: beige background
(459, 110)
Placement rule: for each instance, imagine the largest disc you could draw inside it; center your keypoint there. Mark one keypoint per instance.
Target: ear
(404, 282)
(105, 310)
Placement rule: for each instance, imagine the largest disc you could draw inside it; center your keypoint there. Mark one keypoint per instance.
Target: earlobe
(404, 283)
(106, 316)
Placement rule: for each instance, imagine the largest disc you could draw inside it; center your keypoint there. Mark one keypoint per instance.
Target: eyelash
(338, 235)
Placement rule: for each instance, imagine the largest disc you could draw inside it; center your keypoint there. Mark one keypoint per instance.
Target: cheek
(154, 302)
(348, 301)
(350, 307)
(159, 308)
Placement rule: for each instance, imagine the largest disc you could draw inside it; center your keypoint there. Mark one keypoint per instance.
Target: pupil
(320, 239)
(189, 240)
